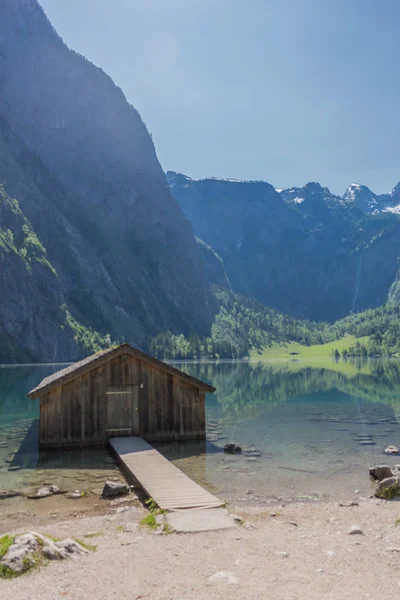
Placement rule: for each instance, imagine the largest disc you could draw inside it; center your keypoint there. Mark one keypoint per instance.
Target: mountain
(304, 251)
(362, 197)
(82, 165)
(34, 321)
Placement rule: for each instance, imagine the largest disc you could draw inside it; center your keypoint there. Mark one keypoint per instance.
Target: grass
(315, 351)
(5, 543)
(90, 547)
(29, 562)
(318, 355)
(149, 521)
(92, 535)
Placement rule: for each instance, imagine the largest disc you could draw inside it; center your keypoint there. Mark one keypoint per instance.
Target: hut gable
(91, 362)
(116, 392)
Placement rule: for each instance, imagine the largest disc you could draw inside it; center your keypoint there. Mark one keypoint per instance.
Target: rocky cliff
(303, 250)
(83, 167)
(33, 316)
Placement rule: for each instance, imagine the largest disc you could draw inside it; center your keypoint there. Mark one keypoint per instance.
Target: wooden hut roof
(91, 362)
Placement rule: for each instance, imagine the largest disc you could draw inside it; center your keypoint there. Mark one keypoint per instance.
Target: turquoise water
(305, 432)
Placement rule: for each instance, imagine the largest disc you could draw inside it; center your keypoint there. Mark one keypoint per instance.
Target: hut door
(122, 411)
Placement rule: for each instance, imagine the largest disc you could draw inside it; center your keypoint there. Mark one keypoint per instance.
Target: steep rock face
(125, 255)
(304, 251)
(214, 266)
(32, 311)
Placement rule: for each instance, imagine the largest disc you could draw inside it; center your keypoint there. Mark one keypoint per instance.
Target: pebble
(225, 577)
(283, 554)
(347, 504)
(355, 530)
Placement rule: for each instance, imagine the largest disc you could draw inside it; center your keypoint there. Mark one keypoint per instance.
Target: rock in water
(392, 450)
(380, 472)
(112, 489)
(388, 488)
(8, 494)
(232, 449)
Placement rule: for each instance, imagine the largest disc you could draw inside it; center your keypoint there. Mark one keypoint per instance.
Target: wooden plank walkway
(161, 480)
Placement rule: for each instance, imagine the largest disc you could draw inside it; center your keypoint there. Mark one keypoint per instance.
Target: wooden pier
(160, 479)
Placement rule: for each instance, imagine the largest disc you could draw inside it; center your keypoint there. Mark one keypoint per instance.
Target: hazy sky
(288, 91)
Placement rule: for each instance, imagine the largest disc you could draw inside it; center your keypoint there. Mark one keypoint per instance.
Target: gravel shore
(294, 552)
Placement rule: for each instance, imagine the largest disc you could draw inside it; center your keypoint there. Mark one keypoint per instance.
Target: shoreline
(298, 550)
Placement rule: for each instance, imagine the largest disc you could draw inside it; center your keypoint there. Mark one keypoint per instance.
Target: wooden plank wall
(76, 413)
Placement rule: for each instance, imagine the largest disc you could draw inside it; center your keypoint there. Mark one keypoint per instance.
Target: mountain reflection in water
(306, 431)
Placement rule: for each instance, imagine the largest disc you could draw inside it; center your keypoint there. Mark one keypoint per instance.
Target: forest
(242, 324)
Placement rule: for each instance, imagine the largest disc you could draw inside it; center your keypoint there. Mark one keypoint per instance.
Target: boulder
(17, 556)
(380, 472)
(388, 488)
(232, 449)
(28, 548)
(71, 548)
(112, 489)
(395, 469)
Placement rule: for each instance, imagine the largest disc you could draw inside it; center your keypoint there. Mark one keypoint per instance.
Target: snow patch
(392, 209)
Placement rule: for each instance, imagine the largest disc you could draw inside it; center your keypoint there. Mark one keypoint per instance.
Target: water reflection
(307, 430)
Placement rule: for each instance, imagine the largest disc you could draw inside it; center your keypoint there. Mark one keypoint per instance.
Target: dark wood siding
(75, 414)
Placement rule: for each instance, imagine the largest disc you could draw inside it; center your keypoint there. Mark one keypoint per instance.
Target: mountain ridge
(82, 165)
(304, 251)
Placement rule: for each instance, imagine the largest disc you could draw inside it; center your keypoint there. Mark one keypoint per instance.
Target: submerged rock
(232, 449)
(112, 489)
(253, 453)
(45, 492)
(8, 494)
(392, 450)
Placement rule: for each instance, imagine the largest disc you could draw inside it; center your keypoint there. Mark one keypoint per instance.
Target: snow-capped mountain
(364, 199)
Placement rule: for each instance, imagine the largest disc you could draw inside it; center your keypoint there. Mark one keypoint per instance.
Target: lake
(308, 432)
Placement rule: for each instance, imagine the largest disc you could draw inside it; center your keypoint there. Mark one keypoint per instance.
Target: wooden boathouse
(119, 392)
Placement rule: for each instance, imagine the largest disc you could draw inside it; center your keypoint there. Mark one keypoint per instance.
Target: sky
(286, 91)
